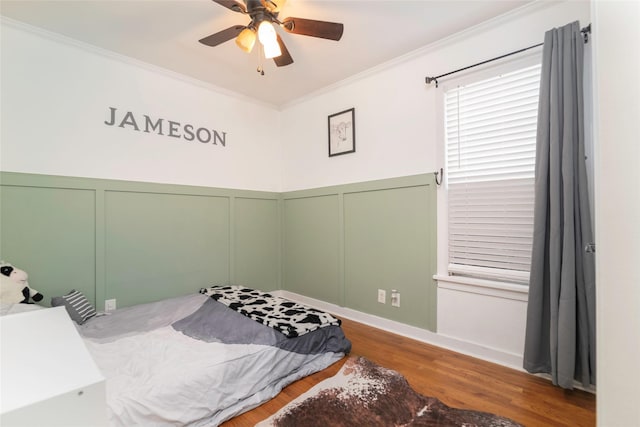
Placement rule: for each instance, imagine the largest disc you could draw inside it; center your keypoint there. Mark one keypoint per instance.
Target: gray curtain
(560, 331)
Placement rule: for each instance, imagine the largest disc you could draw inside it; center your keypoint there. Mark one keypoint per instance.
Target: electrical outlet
(109, 305)
(395, 298)
(382, 296)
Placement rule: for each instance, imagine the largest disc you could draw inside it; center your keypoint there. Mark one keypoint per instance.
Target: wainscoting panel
(136, 242)
(164, 245)
(140, 242)
(50, 233)
(256, 243)
(312, 247)
(388, 246)
(343, 243)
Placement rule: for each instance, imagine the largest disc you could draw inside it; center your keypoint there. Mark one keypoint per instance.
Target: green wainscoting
(50, 233)
(164, 245)
(140, 242)
(256, 243)
(136, 242)
(343, 243)
(312, 247)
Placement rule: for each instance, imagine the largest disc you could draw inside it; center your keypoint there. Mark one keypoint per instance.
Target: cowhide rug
(365, 394)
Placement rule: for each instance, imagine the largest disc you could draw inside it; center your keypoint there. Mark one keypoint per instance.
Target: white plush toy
(10, 291)
(15, 285)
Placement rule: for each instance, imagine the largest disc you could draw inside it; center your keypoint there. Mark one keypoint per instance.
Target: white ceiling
(165, 33)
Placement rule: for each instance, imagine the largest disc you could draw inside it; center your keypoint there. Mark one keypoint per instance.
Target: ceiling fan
(264, 13)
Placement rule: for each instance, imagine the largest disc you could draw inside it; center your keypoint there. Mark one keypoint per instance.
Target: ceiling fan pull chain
(260, 69)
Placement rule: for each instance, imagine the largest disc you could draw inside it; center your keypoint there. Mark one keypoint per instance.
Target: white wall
(56, 94)
(396, 113)
(397, 133)
(492, 317)
(617, 59)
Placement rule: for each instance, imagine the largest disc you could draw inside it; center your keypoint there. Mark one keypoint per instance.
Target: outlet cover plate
(382, 296)
(109, 305)
(395, 299)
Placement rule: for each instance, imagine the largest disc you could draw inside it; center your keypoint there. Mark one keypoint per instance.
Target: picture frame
(342, 132)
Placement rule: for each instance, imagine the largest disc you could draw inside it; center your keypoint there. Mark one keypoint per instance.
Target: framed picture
(342, 132)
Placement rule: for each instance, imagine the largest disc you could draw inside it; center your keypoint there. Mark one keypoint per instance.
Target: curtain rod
(428, 80)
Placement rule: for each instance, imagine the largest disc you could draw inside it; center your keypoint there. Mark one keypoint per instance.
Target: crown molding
(467, 33)
(105, 53)
(442, 43)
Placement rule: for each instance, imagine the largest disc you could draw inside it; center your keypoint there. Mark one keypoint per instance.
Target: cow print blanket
(288, 317)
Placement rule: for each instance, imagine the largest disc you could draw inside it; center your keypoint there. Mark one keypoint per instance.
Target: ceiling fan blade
(222, 36)
(285, 58)
(310, 27)
(233, 5)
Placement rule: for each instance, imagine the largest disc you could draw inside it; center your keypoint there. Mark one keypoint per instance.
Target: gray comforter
(193, 361)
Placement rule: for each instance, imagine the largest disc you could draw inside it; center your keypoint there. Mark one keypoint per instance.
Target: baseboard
(493, 355)
(509, 360)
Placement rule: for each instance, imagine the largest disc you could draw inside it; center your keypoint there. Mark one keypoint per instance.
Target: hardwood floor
(457, 380)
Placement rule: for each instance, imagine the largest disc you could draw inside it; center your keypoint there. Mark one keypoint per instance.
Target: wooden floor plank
(457, 380)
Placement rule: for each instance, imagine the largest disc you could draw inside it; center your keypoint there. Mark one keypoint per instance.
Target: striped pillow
(78, 306)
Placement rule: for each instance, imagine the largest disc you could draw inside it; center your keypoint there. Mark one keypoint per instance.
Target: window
(490, 140)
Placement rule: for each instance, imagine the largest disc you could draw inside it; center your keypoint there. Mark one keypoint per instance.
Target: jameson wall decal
(166, 127)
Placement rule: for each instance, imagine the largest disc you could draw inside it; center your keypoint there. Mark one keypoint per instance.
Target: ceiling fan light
(269, 39)
(273, 6)
(266, 33)
(246, 39)
(272, 50)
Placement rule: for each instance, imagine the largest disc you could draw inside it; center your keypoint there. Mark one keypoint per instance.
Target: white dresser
(47, 376)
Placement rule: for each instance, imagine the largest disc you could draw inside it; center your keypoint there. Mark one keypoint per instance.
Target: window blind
(490, 133)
